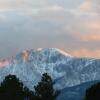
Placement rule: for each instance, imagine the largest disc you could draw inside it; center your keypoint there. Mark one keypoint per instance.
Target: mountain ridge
(67, 70)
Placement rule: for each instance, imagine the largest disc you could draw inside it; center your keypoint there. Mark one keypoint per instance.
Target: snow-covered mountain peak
(63, 52)
(53, 51)
(66, 70)
(42, 53)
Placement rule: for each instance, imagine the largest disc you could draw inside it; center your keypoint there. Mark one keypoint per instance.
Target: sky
(70, 25)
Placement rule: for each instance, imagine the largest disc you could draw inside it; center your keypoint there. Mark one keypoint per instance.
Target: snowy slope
(65, 69)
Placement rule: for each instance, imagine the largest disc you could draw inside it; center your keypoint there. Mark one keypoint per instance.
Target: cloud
(54, 12)
(83, 52)
(90, 37)
(92, 31)
(48, 23)
(94, 25)
(27, 5)
(16, 4)
(86, 5)
(90, 6)
(86, 30)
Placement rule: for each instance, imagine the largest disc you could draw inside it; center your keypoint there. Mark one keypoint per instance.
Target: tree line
(13, 89)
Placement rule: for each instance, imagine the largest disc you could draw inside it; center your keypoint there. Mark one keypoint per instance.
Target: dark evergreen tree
(11, 89)
(28, 94)
(44, 90)
(93, 93)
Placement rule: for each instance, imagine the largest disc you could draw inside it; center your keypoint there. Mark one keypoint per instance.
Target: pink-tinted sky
(71, 25)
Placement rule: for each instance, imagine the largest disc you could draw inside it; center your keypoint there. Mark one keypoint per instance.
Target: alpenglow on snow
(65, 69)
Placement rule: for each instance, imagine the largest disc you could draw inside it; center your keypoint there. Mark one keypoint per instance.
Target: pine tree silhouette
(28, 94)
(44, 90)
(11, 89)
(93, 93)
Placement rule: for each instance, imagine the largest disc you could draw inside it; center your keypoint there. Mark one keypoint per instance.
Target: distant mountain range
(66, 70)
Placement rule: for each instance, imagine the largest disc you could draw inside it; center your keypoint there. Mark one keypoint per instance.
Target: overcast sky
(71, 25)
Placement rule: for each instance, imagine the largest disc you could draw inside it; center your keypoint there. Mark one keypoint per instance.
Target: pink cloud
(90, 37)
(90, 6)
(91, 31)
(94, 25)
(3, 63)
(83, 52)
(86, 6)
